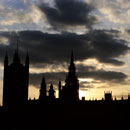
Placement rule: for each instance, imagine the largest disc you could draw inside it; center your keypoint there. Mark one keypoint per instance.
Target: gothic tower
(43, 90)
(70, 91)
(16, 79)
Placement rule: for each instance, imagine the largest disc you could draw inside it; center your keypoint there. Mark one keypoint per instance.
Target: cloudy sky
(98, 31)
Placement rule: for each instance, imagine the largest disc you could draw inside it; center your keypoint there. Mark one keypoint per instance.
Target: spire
(72, 60)
(122, 98)
(43, 84)
(16, 55)
(43, 79)
(71, 77)
(72, 65)
(43, 89)
(71, 89)
(51, 87)
(51, 92)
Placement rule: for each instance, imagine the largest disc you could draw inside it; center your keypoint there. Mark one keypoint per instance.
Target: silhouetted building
(108, 96)
(47, 112)
(70, 92)
(122, 98)
(16, 77)
(43, 91)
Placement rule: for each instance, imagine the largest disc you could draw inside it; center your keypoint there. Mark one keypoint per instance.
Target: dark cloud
(55, 49)
(107, 46)
(85, 85)
(68, 12)
(100, 74)
(82, 72)
(103, 75)
(112, 61)
(54, 77)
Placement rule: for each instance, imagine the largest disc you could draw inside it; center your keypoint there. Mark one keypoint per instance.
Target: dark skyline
(65, 64)
(99, 39)
(68, 110)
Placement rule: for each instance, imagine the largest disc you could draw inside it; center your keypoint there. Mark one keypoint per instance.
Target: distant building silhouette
(108, 96)
(70, 92)
(43, 91)
(16, 83)
(16, 77)
(48, 112)
(122, 98)
(67, 93)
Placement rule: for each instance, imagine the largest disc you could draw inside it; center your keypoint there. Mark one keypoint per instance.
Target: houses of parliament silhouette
(16, 83)
(48, 112)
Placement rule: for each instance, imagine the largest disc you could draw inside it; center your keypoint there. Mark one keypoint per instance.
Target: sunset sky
(98, 31)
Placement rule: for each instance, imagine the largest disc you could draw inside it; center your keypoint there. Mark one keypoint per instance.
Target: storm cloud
(55, 48)
(68, 13)
(82, 72)
(100, 74)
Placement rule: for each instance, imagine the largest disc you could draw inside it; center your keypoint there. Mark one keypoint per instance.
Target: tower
(70, 91)
(16, 79)
(43, 90)
(51, 92)
(108, 96)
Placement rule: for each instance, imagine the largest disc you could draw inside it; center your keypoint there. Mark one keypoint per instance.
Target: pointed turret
(72, 65)
(122, 98)
(16, 59)
(71, 78)
(43, 89)
(51, 92)
(70, 92)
